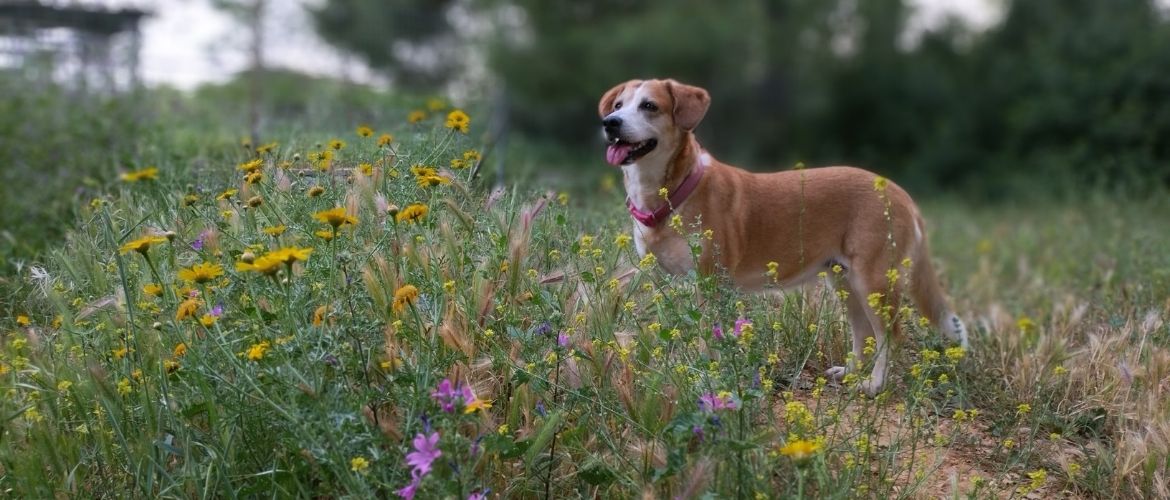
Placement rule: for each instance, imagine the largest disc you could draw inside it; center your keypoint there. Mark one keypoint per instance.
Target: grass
(588, 371)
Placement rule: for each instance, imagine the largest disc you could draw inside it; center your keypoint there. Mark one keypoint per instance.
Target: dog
(783, 228)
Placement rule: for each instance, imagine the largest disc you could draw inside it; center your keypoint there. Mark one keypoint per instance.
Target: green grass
(316, 380)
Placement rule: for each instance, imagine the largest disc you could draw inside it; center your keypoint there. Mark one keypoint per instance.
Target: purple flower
(544, 328)
(479, 495)
(563, 339)
(426, 451)
(217, 311)
(698, 432)
(475, 445)
(445, 394)
(197, 245)
(739, 324)
(717, 331)
(407, 492)
(540, 409)
(711, 402)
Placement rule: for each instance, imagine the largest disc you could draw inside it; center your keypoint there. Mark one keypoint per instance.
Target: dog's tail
(928, 294)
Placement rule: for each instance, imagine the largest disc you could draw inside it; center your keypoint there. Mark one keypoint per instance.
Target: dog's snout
(611, 122)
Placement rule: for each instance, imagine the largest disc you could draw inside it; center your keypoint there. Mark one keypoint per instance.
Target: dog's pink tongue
(616, 153)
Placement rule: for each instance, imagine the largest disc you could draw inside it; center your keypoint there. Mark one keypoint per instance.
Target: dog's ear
(606, 105)
(690, 104)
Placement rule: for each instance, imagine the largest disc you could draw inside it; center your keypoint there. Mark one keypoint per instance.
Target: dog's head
(646, 118)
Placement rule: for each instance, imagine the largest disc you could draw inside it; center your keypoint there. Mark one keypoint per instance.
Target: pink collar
(680, 194)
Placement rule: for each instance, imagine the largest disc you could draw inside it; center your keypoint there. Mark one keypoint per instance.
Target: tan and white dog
(806, 221)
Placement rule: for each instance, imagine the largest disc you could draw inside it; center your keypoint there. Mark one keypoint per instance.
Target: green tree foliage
(1061, 90)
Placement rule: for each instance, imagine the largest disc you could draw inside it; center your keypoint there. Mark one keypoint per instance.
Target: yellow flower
(141, 245)
(190, 199)
(1023, 409)
(124, 386)
(436, 104)
(201, 273)
(146, 174)
(251, 166)
(1026, 325)
(366, 169)
(255, 201)
(458, 120)
(432, 180)
(316, 191)
(23, 320)
(800, 449)
(120, 352)
(257, 351)
(365, 131)
(171, 366)
(288, 255)
(385, 140)
(648, 261)
(64, 385)
(319, 315)
(254, 177)
(416, 116)
(336, 144)
(458, 163)
(404, 296)
(267, 148)
(335, 217)
(420, 170)
(264, 265)
(477, 404)
(275, 231)
(563, 199)
(880, 183)
(324, 234)
(207, 320)
(180, 350)
(412, 213)
(359, 465)
(227, 194)
(622, 240)
(471, 156)
(187, 309)
(955, 354)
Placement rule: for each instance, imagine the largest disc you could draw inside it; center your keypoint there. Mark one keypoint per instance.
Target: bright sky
(188, 42)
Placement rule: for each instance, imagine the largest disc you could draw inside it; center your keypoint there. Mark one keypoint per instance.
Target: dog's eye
(649, 106)
(618, 105)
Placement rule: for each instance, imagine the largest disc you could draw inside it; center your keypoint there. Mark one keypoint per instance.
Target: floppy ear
(606, 105)
(690, 104)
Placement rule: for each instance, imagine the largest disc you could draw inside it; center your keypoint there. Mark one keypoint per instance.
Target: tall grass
(546, 357)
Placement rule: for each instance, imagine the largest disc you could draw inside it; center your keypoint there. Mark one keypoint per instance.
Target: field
(354, 315)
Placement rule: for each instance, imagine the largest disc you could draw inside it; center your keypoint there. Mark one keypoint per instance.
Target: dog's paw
(836, 373)
(871, 387)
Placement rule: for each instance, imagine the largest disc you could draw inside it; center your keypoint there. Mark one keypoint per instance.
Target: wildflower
(266, 148)
(1023, 409)
(436, 104)
(315, 191)
(275, 231)
(366, 169)
(120, 352)
(141, 245)
(365, 131)
(711, 402)
(319, 315)
(880, 183)
(385, 140)
(800, 449)
(458, 120)
(502, 430)
(743, 326)
(471, 156)
(201, 273)
(22, 320)
(1038, 477)
(426, 451)
(563, 339)
(180, 350)
(64, 385)
(563, 198)
(227, 194)
(207, 320)
(1009, 443)
(252, 166)
(289, 255)
(325, 234)
(622, 240)
(874, 299)
(254, 177)
(255, 201)
(955, 354)
(458, 163)
(432, 180)
(717, 332)
(404, 296)
(146, 174)
(124, 386)
(1026, 325)
(336, 144)
(1059, 370)
(265, 264)
(335, 217)
(416, 116)
(648, 261)
(477, 404)
(797, 414)
(190, 199)
(257, 351)
(412, 213)
(479, 494)
(359, 464)
(187, 309)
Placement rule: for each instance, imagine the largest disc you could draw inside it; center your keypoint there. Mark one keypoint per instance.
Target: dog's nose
(611, 122)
